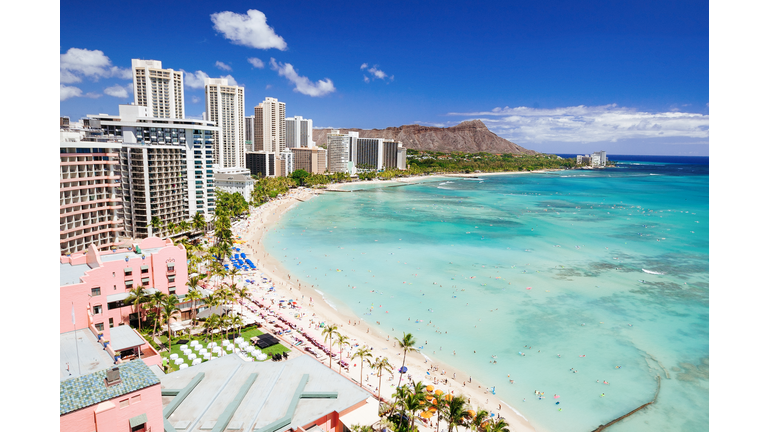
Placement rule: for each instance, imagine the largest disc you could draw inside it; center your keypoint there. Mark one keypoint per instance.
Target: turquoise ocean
(548, 265)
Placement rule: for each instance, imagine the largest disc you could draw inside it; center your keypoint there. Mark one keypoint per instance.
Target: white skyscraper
(225, 105)
(273, 134)
(298, 132)
(249, 131)
(160, 90)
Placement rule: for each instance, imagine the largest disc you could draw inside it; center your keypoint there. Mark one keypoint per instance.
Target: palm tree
(498, 425)
(480, 418)
(341, 341)
(329, 331)
(400, 395)
(240, 293)
(184, 226)
(156, 301)
(232, 273)
(456, 412)
(137, 297)
(212, 322)
(365, 356)
(237, 321)
(439, 403)
(381, 365)
(408, 344)
(171, 226)
(198, 222)
(194, 296)
(155, 223)
(170, 305)
(413, 403)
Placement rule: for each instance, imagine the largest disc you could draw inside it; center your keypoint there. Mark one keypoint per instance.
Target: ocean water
(549, 265)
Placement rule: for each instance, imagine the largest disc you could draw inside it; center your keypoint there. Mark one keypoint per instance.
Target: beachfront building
(89, 189)
(377, 154)
(310, 159)
(160, 90)
(269, 126)
(231, 170)
(261, 163)
(298, 132)
(123, 397)
(339, 150)
(300, 394)
(225, 105)
(284, 167)
(231, 183)
(166, 167)
(249, 131)
(95, 284)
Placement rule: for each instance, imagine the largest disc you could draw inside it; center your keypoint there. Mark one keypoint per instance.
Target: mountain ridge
(471, 136)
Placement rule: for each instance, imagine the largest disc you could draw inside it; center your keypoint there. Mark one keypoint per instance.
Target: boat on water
(653, 272)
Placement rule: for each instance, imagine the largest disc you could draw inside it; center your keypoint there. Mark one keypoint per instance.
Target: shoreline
(252, 232)
(414, 179)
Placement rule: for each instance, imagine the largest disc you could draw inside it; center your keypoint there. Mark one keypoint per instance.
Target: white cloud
(195, 99)
(269, 86)
(223, 66)
(590, 124)
(77, 62)
(194, 79)
(375, 73)
(249, 29)
(303, 84)
(66, 92)
(256, 62)
(230, 79)
(117, 91)
(92, 95)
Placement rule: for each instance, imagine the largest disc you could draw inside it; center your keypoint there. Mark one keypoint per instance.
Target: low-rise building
(300, 394)
(94, 284)
(231, 183)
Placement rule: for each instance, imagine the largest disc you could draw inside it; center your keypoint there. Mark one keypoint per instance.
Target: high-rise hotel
(160, 90)
(298, 132)
(225, 107)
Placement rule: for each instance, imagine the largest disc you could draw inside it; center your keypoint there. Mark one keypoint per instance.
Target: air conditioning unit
(113, 377)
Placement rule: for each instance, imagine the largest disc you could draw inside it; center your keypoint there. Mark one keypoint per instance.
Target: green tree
(194, 296)
(198, 222)
(329, 332)
(156, 301)
(299, 176)
(456, 412)
(497, 425)
(137, 297)
(407, 344)
(365, 356)
(155, 223)
(170, 305)
(381, 365)
(341, 341)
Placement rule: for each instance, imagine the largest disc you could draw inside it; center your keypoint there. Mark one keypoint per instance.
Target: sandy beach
(314, 310)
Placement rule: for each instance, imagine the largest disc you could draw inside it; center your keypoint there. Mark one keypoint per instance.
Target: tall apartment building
(310, 159)
(284, 164)
(298, 132)
(272, 136)
(166, 168)
(160, 90)
(249, 130)
(340, 150)
(225, 106)
(261, 163)
(89, 189)
(377, 154)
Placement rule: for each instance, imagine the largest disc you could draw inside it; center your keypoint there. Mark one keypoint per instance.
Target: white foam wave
(425, 356)
(653, 272)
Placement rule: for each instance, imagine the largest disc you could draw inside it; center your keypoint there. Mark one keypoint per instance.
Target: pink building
(117, 399)
(94, 284)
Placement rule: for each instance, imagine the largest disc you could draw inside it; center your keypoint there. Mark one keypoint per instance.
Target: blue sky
(566, 77)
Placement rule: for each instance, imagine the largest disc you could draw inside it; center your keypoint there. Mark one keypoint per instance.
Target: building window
(128, 283)
(172, 290)
(111, 323)
(124, 403)
(172, 278)
(95, 292)
(135, 399)
(97, 309)
(99, 326)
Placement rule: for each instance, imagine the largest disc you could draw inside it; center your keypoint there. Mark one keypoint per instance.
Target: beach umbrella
(472, 413)
(438, 392)
(448, 397)
(426, 414)
(430, 388)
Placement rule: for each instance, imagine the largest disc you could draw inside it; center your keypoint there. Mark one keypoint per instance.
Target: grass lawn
(203, 339)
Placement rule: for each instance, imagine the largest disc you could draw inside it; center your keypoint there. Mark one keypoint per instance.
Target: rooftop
(91, 389)
(84, 357)
(70, 274)
(255, 396)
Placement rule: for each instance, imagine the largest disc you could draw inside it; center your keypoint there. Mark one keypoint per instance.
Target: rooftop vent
(113, 377)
